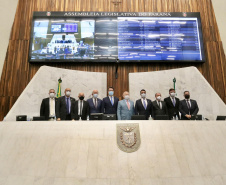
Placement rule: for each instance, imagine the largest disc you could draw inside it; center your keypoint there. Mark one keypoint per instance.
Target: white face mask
(158, 98)
(126, 97)
(68, 93)
(172, 94)
(143, 95)
(52, 95)
(95, 95)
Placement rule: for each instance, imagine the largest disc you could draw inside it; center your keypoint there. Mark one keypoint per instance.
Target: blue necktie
(68, 106)
(145, 106)
(111, 101)
(173, 102)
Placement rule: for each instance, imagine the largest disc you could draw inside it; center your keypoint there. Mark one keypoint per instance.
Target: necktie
(80, 107)
(111, 100)
(189, 107)
(173, 102)
(95, 100)
(68, 108)
(159, 104)
(128, 105)
(145, 106)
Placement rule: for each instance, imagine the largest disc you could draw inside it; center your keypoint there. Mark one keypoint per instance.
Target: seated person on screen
(80, 108)
(143, 106)
(188, 107)
(110, 103)
(63, 108)
(172, 104)
(159, 107)
(125, 107)
(95, 104)
(48, 106)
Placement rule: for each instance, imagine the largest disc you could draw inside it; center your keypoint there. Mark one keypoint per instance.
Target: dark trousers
(68, 117)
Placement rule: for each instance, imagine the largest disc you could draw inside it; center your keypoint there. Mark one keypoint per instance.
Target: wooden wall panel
(17, 72)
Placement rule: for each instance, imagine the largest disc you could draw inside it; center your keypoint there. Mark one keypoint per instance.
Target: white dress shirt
(159, 103)
(51, 107)
(112, 99)
(144, 99)
(79, 104)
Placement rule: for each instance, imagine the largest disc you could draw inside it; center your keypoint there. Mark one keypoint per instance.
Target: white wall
(7, 14)
(47, 78)
(219, 9)
(188, 78)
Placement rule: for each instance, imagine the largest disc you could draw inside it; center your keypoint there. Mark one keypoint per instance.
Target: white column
(7, 14)
(219, 9)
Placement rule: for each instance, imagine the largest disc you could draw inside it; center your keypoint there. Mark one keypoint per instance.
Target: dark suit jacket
(139, 108)
(108, 108)
(44, 109)
(74, 110)
(183, 107)
(92, 108)
(170, 107)
(157, 110)
(61, 108)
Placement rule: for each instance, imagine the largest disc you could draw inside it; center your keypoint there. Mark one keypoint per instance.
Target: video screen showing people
(63, 39)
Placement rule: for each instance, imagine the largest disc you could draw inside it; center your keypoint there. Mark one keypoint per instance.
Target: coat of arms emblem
(128, 137)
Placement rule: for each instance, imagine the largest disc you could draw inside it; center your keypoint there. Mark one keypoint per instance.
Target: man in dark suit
(63, 108)
(159, 107)
(172, 104)
(80, 108)
(110, 103)
(143, 106)
(188, 107)
(48, 106)
(95, 104)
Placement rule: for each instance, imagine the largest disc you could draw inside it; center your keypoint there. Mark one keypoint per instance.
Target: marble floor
(86, 153)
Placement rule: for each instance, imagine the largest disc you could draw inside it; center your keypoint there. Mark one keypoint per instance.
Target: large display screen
(105, 37)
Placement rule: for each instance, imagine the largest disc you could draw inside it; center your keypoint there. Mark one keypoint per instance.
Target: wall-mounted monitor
(108, 36)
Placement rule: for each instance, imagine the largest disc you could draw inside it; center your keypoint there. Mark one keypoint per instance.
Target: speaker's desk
(86, 152)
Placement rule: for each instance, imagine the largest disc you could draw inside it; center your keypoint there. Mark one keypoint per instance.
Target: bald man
(80, 108)
(95, 104)
(63, 108)
(125, 107)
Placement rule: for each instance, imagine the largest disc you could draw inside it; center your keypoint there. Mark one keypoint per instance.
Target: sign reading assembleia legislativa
(114, 14)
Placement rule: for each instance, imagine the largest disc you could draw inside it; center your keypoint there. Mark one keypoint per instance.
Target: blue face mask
(111, 93)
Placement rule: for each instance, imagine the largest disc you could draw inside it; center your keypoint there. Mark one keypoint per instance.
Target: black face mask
(187, 96)
(81, 97)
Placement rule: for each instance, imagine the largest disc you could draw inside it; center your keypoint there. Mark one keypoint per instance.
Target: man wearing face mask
(95, 104)
(188, 107)
(80, 108)
(63, 109)
(110, 103)
(48, 106)
(125, 107)
(172, 104)
(143, 106)
(159, 107)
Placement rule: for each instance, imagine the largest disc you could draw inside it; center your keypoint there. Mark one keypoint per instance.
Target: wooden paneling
(17, 72)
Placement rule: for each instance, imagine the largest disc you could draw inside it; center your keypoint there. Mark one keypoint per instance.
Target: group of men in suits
(67, 108)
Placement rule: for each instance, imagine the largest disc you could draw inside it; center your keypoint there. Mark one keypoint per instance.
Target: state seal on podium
(128, 137)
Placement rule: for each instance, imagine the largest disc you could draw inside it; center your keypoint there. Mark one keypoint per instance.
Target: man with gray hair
(95, 104)
(125, 107)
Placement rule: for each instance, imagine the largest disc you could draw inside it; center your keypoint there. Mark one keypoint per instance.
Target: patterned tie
(128, 105)
(173, 102)
(145, 106)
(112, 101)
(68, 108)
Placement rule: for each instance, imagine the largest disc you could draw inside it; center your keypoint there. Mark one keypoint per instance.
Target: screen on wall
(111, 36)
